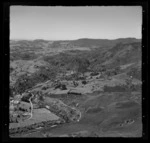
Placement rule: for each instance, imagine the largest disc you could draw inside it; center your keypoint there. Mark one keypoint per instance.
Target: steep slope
(118, 55)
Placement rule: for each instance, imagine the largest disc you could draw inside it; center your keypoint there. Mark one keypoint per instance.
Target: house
(24, 106)
(69, 73)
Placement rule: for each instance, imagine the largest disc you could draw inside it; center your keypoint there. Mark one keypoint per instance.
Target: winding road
(31, 106)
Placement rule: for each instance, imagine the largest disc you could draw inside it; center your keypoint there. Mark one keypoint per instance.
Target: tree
(48, 73)
(41, 98)
(11, 69)
(102, 68)
(117, 70)
(11, 90)
(23, 82)
(80, 65)
(84, 64)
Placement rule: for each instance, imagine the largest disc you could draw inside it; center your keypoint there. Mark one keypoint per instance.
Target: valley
(75, 88)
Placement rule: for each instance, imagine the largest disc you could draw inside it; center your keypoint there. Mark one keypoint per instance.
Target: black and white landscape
(75, 85)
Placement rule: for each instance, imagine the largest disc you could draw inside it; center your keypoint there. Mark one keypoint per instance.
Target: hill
(85, 42)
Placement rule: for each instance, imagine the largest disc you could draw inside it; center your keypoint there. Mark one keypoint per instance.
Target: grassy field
(39, 115)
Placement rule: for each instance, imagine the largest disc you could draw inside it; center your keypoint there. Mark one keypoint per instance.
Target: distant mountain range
(71, 44)
(81, 40)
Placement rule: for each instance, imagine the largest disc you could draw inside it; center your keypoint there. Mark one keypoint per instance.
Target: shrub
(94, 74)
(41, 98)
(63, 87)
(84, 82)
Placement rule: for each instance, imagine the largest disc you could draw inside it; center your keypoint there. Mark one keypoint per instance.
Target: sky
(69, 23)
